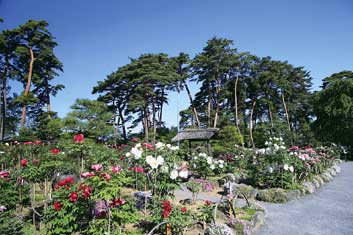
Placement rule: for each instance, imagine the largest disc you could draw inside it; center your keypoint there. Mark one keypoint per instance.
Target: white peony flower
(174, 174)
(164, 169)
(169, 146)
(138, 145)
(195, 158)
(221, 166)
(202, 154)
(160, 160)
(174, 148)
(136, 152)
(286, 167)
(291, 169)
(212, 167)
(152, 162)
(183, 174)
(209, 160)
(159, 145)
(128, 154)
(220, 161)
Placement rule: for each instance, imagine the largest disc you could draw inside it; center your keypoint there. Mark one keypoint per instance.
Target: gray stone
(258, 220)
(332, 172)
(309, 187)
(337, 169)
(293, 195)
(272, 195)
(319, 179)
(326, 176)
(316, 183)
(247, 190)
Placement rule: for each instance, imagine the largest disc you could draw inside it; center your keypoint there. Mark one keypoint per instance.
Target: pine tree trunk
(3, 105)
(154, 120)
(270, 114)
(285, 108)
(28, 87)
(236, 101)
(48, 95)
(192, 104)
(161, 110)
(209, 108)
(251, 123)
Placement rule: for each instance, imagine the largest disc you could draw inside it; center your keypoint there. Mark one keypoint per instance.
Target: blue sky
(96, 37)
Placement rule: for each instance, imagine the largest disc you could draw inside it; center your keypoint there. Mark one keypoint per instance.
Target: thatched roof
(195, 134)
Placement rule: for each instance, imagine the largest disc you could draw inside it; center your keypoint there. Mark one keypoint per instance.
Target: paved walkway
(328, 211)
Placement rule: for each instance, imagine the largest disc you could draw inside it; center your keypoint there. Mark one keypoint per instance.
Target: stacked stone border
(279, 195)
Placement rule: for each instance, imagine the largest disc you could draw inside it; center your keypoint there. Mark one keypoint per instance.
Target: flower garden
(80, 187)
(249, 129)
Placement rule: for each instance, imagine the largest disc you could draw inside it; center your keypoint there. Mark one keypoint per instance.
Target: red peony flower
(57, 206)
(106, 176)
(117, 202)
(24, 162)
(183, 209)
(37, 142)
(147, 145)
(27, 142)
(35, 161)
(86, 190)
(55, 151)
(134, 139)
(138, 169)
(208, 202)
(87, 174)
(73, 197)
(167, 208)
(65, 182)
(79, 138)
(116, 169)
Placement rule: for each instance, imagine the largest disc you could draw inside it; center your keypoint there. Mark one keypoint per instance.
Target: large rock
(244, 189)
(258, 220)
(272, 195)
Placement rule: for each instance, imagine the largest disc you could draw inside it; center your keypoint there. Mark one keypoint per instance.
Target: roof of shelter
(195, 134)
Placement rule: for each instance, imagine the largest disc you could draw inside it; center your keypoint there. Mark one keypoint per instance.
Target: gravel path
(328, 211)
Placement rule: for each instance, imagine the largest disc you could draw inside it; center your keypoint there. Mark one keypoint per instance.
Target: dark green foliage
(91, 118)
(334, 110)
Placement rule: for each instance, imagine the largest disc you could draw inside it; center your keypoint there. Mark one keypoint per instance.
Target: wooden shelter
(204, 134)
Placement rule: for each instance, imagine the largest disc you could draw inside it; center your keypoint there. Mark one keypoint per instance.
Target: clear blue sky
(96, 37)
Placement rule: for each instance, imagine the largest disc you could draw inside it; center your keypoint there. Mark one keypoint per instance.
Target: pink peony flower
(87, 174)
(106, 176)
(4, 174)
(116, 169)
(97, 167)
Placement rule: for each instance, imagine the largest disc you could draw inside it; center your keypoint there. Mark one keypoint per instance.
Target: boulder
(247, 190)
(272, 195)
(258, 220)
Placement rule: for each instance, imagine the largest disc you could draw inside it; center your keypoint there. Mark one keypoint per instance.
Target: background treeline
(252, 97)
